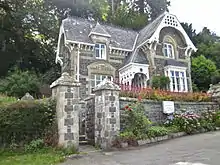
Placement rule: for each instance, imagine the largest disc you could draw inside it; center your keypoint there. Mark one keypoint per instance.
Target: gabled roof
(149, 30)
(136, 57)
(99, 30)
(78, 30)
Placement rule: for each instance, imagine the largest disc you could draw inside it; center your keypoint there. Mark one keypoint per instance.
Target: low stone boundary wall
(154, 109)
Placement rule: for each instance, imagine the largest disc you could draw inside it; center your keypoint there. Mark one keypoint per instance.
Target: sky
(201, 13)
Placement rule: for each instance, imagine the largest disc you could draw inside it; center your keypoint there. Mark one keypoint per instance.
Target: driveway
(203, 148)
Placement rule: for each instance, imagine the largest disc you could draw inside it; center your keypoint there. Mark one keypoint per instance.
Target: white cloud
(200, 13)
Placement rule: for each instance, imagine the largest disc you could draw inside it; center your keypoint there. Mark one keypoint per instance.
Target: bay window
(178, 79)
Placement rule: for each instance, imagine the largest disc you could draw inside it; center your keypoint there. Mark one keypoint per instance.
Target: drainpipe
(78, 53)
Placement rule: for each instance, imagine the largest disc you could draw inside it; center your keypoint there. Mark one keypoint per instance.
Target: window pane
(102, 53)
(172, 73)
(97, 54)
(98, 77)
(178, 83)
(102, 46)
(97, 46)
(173, 82)
(177, 74)
(182, 74)
(184, 86)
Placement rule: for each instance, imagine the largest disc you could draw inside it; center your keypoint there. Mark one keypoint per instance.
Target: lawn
(43, 157)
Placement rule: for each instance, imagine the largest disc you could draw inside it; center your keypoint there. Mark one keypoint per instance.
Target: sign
(168, 107)
(101, 68)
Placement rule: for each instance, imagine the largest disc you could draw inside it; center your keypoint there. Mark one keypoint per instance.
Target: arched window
(168, 50)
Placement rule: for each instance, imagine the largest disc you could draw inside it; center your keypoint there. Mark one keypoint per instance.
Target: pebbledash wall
(154, 109)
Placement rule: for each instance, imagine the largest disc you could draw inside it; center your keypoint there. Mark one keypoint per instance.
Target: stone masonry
(107, 113)
(65, 91)
(154, 109)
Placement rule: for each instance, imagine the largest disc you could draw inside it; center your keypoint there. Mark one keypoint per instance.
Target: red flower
(139, 98)
(129, 109)
(126, 107)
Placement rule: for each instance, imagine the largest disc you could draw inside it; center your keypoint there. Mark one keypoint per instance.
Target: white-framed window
(100, 51)
(178, 79)
(95, 79)
(168, 50)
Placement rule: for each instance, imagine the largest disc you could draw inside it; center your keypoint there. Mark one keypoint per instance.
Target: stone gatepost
(107, 113)
(66, 92)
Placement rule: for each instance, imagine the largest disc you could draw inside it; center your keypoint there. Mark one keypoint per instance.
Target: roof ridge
(102, 23)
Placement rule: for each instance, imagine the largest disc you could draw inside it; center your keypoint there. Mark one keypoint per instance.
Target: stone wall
(87, 58)
(154, 109)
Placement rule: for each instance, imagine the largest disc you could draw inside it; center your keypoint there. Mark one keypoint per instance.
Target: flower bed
(162, 95)
(138, 130)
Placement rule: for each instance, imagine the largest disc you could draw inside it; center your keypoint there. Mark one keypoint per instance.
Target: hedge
(24, 121)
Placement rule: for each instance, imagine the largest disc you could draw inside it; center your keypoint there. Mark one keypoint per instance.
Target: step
(83, 142)
(82, 137)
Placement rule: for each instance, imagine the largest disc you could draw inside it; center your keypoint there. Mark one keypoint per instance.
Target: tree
(153, 8)
(189, 30)
(18, 82)
(27, 33)
(203, 70)
(126, 17)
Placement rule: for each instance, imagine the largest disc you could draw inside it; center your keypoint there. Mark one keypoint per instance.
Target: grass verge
(41, 157)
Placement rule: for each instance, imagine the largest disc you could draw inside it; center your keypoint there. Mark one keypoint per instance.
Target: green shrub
(17, 83)
(173, 129)
(24, 121)
(160, 82)
(135, 120)
(156, 131)
(34, 146)
(6, 99)
(66, 151)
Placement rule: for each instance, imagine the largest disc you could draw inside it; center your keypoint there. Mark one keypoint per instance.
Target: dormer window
(168, 50)
(100, 51)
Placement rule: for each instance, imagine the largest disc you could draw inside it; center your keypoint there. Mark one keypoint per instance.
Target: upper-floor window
(100, 51)
(168, 50)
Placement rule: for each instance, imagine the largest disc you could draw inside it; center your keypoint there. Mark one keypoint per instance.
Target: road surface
(202, 148)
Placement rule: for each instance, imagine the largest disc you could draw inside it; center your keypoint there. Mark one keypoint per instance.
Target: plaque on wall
(102, 68)
(168, 107)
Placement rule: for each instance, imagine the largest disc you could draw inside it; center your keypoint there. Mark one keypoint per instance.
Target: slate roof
(78, 30)
(99, 29)
(149, 30)
(136, 57)
(174, 63)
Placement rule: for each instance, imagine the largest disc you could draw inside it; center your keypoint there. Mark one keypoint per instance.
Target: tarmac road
(202, 148)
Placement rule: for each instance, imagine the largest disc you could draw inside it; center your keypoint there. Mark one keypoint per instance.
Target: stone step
(83, 142)
(82, 137)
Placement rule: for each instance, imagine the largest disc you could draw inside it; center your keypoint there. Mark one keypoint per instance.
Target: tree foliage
(29, 31)
(202, 71)
(18, 82)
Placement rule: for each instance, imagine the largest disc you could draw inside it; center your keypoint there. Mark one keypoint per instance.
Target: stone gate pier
(66, 93)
